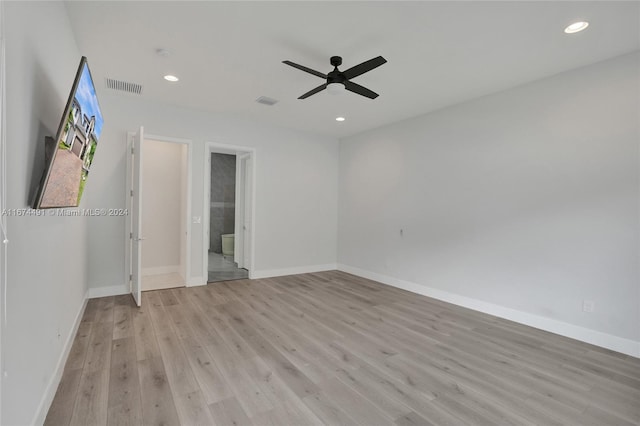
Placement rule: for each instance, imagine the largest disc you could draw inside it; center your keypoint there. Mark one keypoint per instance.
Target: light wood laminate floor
(329, 348)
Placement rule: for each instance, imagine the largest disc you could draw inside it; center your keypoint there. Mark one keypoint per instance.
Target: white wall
(296, 186)
(525, 200)
(47, 264)
(161, 206)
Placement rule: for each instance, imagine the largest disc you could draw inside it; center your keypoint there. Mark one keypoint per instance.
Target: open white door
(136, 215)
(246, 225)
(243, 210)
(238, 254)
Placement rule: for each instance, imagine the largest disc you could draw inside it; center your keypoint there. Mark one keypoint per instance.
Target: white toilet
(227, 244)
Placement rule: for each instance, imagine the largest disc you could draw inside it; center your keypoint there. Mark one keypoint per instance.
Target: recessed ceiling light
(576, 27)
(340, 118)
(171, 78)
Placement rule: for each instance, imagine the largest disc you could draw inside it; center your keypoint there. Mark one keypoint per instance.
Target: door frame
(189, 172)
(241, 213)
(237, 150)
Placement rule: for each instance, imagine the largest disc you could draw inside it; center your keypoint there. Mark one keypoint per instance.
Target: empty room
(320, 213)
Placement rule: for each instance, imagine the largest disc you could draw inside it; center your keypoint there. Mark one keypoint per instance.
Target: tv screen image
(76, 141)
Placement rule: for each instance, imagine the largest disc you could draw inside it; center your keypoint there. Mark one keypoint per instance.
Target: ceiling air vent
(264, 100)
(123, 86)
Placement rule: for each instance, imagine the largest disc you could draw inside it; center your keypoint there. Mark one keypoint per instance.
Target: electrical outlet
(588, 306)
(196, 219)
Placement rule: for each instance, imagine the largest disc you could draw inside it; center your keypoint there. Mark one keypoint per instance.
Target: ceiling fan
(338, 81)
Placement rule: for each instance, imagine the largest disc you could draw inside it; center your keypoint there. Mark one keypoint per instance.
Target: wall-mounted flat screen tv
(69, 163)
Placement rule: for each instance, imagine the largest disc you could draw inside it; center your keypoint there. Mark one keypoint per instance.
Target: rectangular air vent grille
(266, 101)
(123, 86)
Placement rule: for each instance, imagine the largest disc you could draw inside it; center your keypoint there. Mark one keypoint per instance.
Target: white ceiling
(227, 54)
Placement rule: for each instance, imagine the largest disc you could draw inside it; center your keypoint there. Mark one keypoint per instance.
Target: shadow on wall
(223, 199)
(50, 106)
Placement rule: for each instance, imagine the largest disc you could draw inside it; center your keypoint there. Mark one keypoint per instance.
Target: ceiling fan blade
(356, 88)
(314, 91)
(364, 67)
(305, 69)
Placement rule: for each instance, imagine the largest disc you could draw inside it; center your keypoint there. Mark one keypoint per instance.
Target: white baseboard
(609, 341)
(52, 387)
(196, 281)
(267, 273)
(113, 290)
(159, 270)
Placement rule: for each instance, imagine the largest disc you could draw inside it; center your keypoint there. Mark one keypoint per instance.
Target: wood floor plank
(594, 416)
(330, 348)
(78, 351)
(292, 412)
(354, 405)
(124, 385)
(104, 312)
(228, 412)
(245, 389)
(212, 383)
(145, 338)
(158, 406)
(64, 401)
(177, 367)
(413, 419)
(89, 314)
(394, 389)
(288, 408)
(98, 354)
(303, 354)
(217, 325)
(369, 390)
(327, 410)
(123, 325)
(623, 405)
(292, 376)
(193, 410)
(168, 298)
(161, 321)
(92, 398)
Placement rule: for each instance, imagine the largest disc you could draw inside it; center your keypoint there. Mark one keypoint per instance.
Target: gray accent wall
(223, 199)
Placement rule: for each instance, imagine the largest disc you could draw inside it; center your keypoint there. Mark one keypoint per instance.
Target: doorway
(157, 249)
(228, 215)
(164, 214)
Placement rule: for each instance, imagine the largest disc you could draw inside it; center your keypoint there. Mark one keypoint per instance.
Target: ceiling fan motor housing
(336, 76)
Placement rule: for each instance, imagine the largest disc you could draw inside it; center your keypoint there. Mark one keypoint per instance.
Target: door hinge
(130, 277)
(131, 192)
(130, 235)
(132, 149)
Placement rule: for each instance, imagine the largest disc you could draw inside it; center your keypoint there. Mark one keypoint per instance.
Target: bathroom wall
(223, 199)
